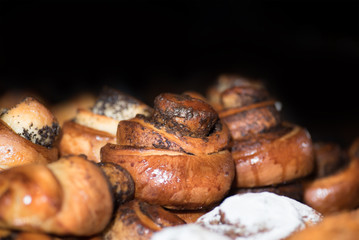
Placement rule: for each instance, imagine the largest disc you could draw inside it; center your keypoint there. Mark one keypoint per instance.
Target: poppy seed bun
(33, 121)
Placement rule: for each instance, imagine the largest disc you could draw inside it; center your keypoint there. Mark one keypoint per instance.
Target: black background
(307, 52)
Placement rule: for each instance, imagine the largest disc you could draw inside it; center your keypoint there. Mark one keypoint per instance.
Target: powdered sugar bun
(259, 216)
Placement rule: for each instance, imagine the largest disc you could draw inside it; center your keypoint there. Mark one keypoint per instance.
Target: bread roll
(28, 134)
(70, 196)
(178, 157)
(92, 128)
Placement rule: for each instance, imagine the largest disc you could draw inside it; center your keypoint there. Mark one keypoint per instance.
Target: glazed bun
(267, 151)
(273, 157)
(178, 157)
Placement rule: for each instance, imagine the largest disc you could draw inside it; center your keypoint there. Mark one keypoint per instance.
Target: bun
(178, 156)
(336, 192)
(33, 121)
(273, 157)
(338, 226)
(227, 81)
(92, 128)
(336, 176)
(70, 196)
(266, 150)
(78, 139)
(138, 220)
(259, 216)
(28, 133)
(247, 216)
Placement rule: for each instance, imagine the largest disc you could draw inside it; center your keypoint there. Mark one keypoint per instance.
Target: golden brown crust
(343, 226)
(68, 197)
(336, 192)
(174, 179)
(16, 150)
(250, 119)
(273, 157)
(87, 118)
(138, 220)
(77, 139)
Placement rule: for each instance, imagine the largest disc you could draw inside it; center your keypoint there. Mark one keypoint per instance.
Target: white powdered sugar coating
(187, 232)
(255, 216)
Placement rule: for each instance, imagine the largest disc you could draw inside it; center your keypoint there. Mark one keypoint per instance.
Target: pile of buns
(221, 166)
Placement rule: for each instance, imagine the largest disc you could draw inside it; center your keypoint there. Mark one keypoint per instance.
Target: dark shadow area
(307, 52)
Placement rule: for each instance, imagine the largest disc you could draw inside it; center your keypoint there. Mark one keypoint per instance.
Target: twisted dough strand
(71, 196)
